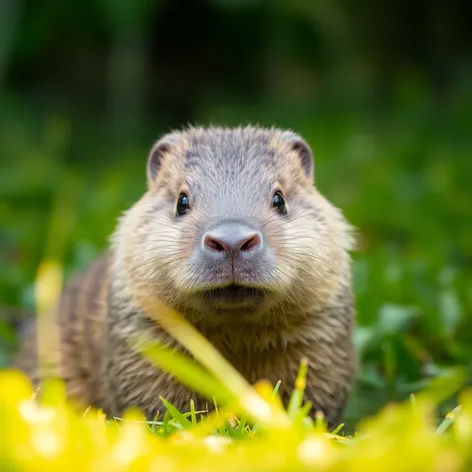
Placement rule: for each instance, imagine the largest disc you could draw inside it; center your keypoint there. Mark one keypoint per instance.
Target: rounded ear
(303, 150)
(158, 151)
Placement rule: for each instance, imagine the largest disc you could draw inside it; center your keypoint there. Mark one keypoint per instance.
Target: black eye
(182, 204)
(278, 202)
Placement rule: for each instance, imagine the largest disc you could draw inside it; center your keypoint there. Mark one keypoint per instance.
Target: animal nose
(232, 240)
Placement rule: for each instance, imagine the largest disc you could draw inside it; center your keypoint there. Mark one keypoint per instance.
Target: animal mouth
(233, 294)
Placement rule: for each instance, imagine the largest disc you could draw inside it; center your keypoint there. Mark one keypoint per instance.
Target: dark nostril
(213, 244)
(251, 243)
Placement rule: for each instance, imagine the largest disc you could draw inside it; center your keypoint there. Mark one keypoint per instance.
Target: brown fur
(308, 312)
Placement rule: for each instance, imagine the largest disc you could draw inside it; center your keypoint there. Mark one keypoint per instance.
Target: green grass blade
(186, 371)
(176, 414)
(296, 398)
(448, 420)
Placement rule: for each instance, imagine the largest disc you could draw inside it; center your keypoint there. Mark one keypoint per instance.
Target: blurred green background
(381, 90)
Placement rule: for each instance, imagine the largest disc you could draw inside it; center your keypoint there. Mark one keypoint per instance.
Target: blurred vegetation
(262, 436)
(382, 92)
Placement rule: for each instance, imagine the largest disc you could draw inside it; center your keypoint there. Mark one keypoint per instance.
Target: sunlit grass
(403, 437)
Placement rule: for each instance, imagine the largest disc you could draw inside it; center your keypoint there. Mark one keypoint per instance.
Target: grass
(51, 438)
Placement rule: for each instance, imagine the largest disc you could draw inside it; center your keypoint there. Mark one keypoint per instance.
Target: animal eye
(183, 205)
(278, 202)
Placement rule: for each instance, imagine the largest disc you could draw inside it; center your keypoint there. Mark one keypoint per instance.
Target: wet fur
(310, 312)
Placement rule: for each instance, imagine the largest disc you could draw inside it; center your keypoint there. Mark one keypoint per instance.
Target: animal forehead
(230, 150)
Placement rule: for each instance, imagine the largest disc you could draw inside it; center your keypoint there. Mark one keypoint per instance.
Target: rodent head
(231, 227)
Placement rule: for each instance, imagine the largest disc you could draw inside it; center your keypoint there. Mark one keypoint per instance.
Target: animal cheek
(276, 240)
(187, 241)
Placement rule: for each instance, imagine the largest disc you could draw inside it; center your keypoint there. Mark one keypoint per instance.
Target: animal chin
(233, 296)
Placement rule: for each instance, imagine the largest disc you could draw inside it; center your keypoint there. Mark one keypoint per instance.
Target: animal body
(233, 234)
